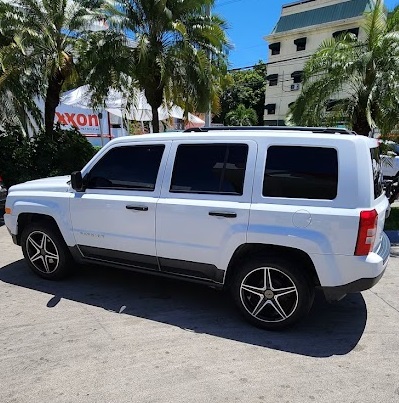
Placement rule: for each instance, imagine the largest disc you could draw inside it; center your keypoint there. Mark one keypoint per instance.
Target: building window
(297, 76)
(271, 109)
(300, 44)
(354, 31)
(275, 48)
(273, 79)
(301, 172)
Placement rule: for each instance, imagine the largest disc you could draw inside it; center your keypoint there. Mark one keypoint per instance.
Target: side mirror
(77, 181)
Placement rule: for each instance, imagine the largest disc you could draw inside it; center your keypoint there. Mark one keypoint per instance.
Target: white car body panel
(178, 226)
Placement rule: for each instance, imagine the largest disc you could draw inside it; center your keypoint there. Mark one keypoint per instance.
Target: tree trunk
(155, 119)
(361, 125)
(52, 100)
(154, 98)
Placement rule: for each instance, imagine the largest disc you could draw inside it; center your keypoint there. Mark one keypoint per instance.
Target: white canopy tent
(116, 103)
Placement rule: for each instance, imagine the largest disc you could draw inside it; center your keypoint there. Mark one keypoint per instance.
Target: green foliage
(37, 54)
(241, 116)
(15, 156)
(47, 47)
(365, 72)
(247, 88)
(23, 159)
(174, 41)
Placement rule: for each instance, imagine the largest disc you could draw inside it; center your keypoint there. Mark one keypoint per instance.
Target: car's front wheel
(272, 292)
(45, 251)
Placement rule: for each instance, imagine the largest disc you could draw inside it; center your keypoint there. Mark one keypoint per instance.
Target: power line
(228, 2)
(360, 45)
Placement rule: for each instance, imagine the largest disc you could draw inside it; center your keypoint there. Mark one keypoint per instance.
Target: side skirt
(201, 273)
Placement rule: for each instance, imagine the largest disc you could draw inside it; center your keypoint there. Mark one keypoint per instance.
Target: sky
(251, 20)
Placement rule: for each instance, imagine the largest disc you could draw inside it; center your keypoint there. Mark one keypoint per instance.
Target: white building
(302, 27)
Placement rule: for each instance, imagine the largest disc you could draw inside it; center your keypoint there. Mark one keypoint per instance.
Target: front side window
(130, 167)
(301, 172)
(209, 169)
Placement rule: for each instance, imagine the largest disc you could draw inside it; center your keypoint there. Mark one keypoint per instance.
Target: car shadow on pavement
(330, 329)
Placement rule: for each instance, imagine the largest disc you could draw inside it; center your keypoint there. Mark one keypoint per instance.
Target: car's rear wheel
(271, 292)
(45, 251)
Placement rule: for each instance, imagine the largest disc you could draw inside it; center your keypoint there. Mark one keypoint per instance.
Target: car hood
(54, 184)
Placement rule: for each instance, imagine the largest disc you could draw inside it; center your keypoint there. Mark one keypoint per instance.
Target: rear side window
(132, 168)
(301, 172)
(209, 168)
(377, 172)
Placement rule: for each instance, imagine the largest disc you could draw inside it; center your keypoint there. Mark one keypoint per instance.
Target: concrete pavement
(113, 336)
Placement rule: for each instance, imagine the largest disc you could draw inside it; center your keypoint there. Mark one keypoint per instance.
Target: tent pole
(122, 123)
(100, 117)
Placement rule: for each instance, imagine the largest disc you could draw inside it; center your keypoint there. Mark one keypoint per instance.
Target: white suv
(270, 213)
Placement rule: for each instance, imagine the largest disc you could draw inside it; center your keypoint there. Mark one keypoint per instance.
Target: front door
(114, 218)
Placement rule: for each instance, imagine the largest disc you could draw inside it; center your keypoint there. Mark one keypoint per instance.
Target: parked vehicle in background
(269, 213)
(390, 169)
(3, 195)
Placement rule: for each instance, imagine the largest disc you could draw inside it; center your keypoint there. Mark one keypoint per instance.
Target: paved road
(114, 336)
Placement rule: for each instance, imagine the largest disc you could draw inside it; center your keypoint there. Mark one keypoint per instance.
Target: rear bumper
(379, 260)
(339, 292)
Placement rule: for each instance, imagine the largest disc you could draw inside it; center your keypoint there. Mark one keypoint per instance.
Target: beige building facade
(300, 30)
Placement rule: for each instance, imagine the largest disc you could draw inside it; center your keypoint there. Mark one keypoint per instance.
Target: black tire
(271, 292)
(45, 251)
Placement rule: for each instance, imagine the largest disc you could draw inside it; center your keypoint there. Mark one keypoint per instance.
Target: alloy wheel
(42, 252)
(269, 295)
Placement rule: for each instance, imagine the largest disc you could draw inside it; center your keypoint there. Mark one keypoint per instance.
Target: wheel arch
(26, 218)
(248, 251)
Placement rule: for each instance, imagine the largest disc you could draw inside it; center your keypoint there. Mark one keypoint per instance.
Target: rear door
(203, 211)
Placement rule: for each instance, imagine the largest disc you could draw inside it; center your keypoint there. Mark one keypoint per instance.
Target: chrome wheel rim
(269, 295)
(42, 252)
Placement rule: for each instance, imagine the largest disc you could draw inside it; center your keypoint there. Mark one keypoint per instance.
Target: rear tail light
(366, 233)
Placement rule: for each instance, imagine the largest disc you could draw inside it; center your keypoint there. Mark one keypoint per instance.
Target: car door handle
(138, 208)
(222, 214)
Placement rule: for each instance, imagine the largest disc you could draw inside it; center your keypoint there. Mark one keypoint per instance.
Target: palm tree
(42, 43)
(242, 116)
(174, 41)
(16, 91)
(353, 80)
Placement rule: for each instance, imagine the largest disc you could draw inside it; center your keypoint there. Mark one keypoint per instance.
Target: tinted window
(377, 172)
(134, 167)
(210, 168)
(301, 172)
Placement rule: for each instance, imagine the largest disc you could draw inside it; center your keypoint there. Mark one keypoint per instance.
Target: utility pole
(208, 114)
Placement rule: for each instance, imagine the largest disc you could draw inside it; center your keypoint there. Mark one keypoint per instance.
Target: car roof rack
(329, 130)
